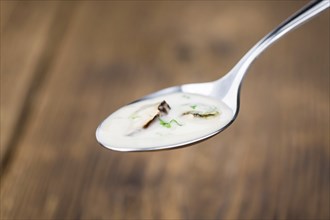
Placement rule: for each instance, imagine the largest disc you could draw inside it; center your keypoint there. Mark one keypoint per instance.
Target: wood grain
(272, 163)
(27, 50)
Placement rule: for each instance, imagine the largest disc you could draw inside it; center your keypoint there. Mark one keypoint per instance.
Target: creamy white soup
(171, 119)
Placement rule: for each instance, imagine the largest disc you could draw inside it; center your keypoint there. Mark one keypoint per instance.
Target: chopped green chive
(164, 123)
(168, 124)
(134, 117)
(176, 122)
(193, 106)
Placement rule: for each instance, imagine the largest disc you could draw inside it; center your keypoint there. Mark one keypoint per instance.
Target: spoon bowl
(226, 89)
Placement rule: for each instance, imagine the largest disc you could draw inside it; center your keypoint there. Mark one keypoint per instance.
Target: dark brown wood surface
(66, 65)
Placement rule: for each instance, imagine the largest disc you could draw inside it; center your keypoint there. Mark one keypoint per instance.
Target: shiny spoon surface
(227, 88)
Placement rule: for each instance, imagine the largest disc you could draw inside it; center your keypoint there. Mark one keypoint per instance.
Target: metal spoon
(227, 88)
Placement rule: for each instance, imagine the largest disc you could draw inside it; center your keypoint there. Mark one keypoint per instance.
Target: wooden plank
(19, 57)
(273, 162)
(27, 47)
(7, 9)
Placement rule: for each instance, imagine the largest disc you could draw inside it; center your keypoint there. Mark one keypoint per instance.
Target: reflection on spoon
(183, 115)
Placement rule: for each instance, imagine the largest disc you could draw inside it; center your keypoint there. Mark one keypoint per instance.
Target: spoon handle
(304, 14)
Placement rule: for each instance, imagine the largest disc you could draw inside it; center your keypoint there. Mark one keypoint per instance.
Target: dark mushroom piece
(202, 111)
(201, 115)
(163, 109)
(145, 116)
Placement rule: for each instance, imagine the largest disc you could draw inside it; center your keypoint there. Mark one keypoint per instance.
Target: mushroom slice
(145, 116)
(163, 109)
(202, 111)
(201, 114)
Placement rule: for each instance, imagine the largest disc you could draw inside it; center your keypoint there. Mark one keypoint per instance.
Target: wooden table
(66, 65)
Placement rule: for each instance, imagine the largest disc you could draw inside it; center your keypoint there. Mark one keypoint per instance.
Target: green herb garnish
(193, 106)
(168, 124)
(164, 123)
(134, 117)
(175, 121)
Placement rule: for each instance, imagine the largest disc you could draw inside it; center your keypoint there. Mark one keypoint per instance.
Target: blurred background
(66, 65)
